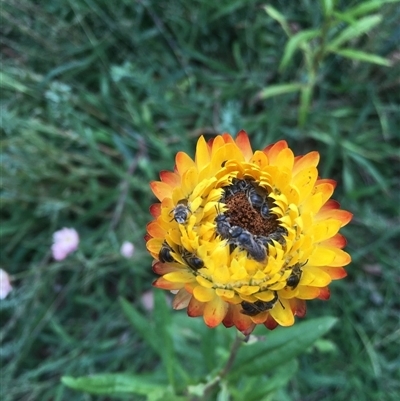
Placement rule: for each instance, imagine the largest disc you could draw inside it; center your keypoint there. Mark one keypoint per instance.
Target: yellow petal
(260, 159)
(202, 153)
(305, 292)
(318, 277)
(225, 293)
(304, 181)
(189, 181)
(265, 296)
(183, 162)
(342, 258)
(322, 256)
(203, 294)
(204, 282)
(179, 276)
(222, 275)
(308, 160)
(215, 311)
(248, 289)
(282, 313)
(325, 229)
(161, 190)
(285, 159)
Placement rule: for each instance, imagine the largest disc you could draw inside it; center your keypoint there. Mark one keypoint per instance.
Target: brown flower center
(241, 213)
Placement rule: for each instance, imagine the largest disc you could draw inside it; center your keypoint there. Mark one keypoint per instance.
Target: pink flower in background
(127, 249)
(147, 300)
(65, 242)
(5, 286)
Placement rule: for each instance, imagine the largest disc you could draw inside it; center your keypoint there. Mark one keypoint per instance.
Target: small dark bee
(223, 225)
(241, 184)
(253, 309)
(263, 240)
(257, 199)
(264, 210)
(276, 236)
(236, 187)
(294, 278)
(245, 240)
(181, 211)
(165, 253)
(192, 260)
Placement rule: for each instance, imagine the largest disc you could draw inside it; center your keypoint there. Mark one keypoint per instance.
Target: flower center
(241, 213)
(249, 207)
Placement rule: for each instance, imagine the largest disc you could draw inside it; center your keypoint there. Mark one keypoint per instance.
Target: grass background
(97, 97)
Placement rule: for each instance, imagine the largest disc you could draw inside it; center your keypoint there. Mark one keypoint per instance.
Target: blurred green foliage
(96, 99)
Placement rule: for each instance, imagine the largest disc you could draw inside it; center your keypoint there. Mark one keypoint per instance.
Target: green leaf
(277, 16)
(366, 7)
(8, 82)
(279, 89)
(354, 30)
(115, 383)
(362, 56)
(279, 347)
(305, 101)
(296, 42)
(367, 166)
(162, 316)
(258, 385)
(328, 6)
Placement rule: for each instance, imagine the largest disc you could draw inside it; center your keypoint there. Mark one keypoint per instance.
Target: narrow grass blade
(162, 315)
(112, 384)
(280, 89)
(277, 16)
(354, 31)
(363, 56)
(294, 43)
(366, 7)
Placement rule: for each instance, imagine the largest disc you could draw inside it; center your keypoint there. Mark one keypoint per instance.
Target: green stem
(214, 383)
(234, 349)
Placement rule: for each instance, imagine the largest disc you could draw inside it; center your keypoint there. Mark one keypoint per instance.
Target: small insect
(294, 278)
(223, 225)
(264, 210)
(192, 260)
(236, 187)
(165, 253)
(256, 197)
(262, 239)
(277, 236)
(181, 211)
(245, 240)
(253, 309)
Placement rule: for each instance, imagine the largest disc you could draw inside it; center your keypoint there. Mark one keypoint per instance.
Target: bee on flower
(260, 238)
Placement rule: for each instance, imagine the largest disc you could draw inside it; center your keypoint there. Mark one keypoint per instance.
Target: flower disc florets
(245, 237)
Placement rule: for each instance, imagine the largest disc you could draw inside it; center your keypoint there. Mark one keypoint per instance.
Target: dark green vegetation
(98, 96)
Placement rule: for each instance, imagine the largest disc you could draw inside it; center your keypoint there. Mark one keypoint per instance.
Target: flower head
(65, 242)
(5, 286)
(127, 249)
(244, 237)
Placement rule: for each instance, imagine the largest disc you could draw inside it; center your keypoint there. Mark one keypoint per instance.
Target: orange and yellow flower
(245, 237)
